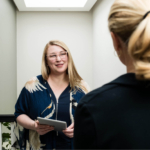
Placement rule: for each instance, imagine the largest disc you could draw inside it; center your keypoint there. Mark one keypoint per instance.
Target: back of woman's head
(127, 19)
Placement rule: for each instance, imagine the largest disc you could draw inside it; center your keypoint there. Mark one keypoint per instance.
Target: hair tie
(146, 14)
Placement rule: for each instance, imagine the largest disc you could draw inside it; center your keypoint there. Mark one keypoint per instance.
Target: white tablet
(57, 124)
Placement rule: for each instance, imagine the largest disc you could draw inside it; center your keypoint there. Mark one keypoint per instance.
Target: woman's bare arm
(28, 123)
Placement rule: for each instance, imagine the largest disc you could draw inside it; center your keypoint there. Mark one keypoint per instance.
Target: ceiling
(22, 7)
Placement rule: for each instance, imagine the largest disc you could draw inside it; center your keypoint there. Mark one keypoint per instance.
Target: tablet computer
(57, 124)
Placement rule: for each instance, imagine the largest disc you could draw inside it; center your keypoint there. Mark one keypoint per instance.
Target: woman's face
(57, 59)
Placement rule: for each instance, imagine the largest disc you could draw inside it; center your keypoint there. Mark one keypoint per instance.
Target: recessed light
(55, 3)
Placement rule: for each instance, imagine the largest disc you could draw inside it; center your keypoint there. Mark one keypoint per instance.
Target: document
(57, 124)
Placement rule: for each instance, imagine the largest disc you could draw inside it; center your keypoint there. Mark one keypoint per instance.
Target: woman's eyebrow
(51, 53)
(55, 53)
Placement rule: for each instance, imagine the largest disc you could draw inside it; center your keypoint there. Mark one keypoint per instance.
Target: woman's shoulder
(108, 89)
(99, 95)
(35, 84)
(86, 86)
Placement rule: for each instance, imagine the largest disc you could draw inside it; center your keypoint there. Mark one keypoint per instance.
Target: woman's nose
(58, 58)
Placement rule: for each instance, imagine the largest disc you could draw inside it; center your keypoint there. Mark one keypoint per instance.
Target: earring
(117, 55)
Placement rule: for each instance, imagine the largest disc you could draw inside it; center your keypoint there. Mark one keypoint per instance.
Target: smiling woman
(52, 95)
(56, 59)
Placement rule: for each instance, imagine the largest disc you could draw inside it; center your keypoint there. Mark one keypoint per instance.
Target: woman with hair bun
(117, 115)
(52, 95)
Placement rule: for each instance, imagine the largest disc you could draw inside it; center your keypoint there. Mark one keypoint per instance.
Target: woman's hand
(42, 129)
(69, 131)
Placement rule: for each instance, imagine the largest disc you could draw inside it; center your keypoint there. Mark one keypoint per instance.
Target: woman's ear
(116, 42)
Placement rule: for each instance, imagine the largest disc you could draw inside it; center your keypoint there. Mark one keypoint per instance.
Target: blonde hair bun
(130, 20)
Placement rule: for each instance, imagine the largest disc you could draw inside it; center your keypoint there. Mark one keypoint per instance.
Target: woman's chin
(60, 71)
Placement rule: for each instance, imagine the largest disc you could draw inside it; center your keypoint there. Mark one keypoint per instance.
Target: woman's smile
(59, 65)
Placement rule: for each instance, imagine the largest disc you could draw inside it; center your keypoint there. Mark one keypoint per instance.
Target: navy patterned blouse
(38, 100)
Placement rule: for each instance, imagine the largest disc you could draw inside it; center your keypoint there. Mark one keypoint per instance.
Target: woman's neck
(58, 79)
(130, 65)
(128, 62)
(130, 69)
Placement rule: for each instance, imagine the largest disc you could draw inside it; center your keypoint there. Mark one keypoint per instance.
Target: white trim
(71, 116)
(12, 135)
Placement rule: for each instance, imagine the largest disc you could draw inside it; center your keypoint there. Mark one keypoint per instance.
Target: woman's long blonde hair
(74, 77)
(126, 20)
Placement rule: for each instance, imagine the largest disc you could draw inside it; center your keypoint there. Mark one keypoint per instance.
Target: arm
(28, 123)
(25, 121)
(84, 132)
(22, 116)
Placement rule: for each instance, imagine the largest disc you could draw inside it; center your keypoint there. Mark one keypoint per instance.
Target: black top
(117, 115)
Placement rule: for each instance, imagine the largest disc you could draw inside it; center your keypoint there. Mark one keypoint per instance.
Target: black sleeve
(84, 129)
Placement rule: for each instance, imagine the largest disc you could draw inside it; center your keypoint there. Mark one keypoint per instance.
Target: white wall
(35, 29)
(85, 33)
(8, 85)
(106, 66)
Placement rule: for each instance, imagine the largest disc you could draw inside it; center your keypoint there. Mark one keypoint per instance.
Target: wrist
(33, 125)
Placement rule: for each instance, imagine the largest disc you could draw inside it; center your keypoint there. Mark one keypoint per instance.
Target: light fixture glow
(55, 3)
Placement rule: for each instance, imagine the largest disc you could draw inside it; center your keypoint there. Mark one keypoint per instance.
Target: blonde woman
(117, 115)
(55, 95)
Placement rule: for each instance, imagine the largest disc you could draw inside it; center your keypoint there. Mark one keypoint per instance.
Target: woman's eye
(63, 54)
(52, 55)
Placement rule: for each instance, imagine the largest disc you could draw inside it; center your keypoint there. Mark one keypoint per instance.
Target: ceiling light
(55, 3)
